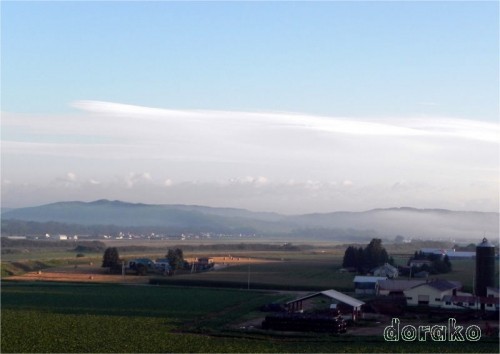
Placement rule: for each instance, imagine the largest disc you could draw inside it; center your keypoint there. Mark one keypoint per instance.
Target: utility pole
(248, 276)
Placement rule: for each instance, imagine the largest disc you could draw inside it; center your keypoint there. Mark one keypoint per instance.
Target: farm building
(492, 292)
(162, 264)
(348, 306)
(451, 253)
(431, 293)
(468, 301)
(141, 265)
(389, 287)
(385, 270)
(461, 255)
(205, 261)
(366, 284)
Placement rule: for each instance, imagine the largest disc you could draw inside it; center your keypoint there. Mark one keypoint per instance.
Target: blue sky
(425, 66)
(340, 58)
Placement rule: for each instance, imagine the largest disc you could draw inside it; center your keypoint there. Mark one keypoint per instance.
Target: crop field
(213, 311)
(62, 317)
(285, 275)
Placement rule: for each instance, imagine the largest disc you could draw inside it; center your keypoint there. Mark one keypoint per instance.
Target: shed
(366, 284)
(469, 301)
(336, 297)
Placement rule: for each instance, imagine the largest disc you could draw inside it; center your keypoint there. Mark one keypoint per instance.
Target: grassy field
(73, 317)
(292, 274)
(94, 318)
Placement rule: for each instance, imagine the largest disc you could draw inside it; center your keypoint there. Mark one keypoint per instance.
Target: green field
(58, 317)
(305, 274)
(196, 312)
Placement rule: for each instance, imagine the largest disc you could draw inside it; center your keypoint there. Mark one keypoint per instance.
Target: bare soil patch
(95, 273)
(80, 273)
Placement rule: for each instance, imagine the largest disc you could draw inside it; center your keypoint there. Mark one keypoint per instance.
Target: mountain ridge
(413, 222)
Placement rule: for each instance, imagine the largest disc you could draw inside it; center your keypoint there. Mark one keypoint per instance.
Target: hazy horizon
(283, 107)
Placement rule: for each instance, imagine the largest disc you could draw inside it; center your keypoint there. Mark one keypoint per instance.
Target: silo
(485, 267)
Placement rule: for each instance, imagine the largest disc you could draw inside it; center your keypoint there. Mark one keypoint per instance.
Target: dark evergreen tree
(349, 257)
(360, 259)
(175, 258)
(111, 257)
(375, 254)
(371, 256)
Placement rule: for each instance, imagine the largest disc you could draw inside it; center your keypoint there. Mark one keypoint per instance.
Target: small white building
(366, 284)
(431, 293)
(468, 301)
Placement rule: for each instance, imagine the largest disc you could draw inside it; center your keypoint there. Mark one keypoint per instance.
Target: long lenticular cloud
(428, 126)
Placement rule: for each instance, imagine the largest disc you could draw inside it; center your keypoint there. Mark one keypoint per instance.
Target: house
(348, 306)
(431, 293)
(386, 270)
(366, 284)
(389, 287)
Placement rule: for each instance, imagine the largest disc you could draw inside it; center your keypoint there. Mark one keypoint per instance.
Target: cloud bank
(262, 160)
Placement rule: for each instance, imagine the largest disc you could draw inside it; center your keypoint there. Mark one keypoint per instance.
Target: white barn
(431, 293)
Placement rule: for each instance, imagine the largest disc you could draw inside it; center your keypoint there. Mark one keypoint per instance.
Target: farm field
(68, 317)
(315, 268)
(73, 306)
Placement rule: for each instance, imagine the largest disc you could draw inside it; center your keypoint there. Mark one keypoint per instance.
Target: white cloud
(168, 182)
(273, 153)
(347, 183)
(71, 176)
(133, 178)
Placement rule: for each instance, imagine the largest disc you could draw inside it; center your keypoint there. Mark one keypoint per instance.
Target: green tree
(349, 257)
(111, 257)
(175, 258)
(375, 254)
(360, 257)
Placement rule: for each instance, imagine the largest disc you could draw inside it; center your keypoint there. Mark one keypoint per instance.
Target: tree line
(365, 259)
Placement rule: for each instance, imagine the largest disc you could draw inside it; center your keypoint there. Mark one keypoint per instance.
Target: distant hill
(435, 224)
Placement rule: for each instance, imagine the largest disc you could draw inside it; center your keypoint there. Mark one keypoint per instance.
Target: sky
(291, 107)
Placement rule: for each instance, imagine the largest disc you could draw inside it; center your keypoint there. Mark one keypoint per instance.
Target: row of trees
(439, 263)
(364, 259)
